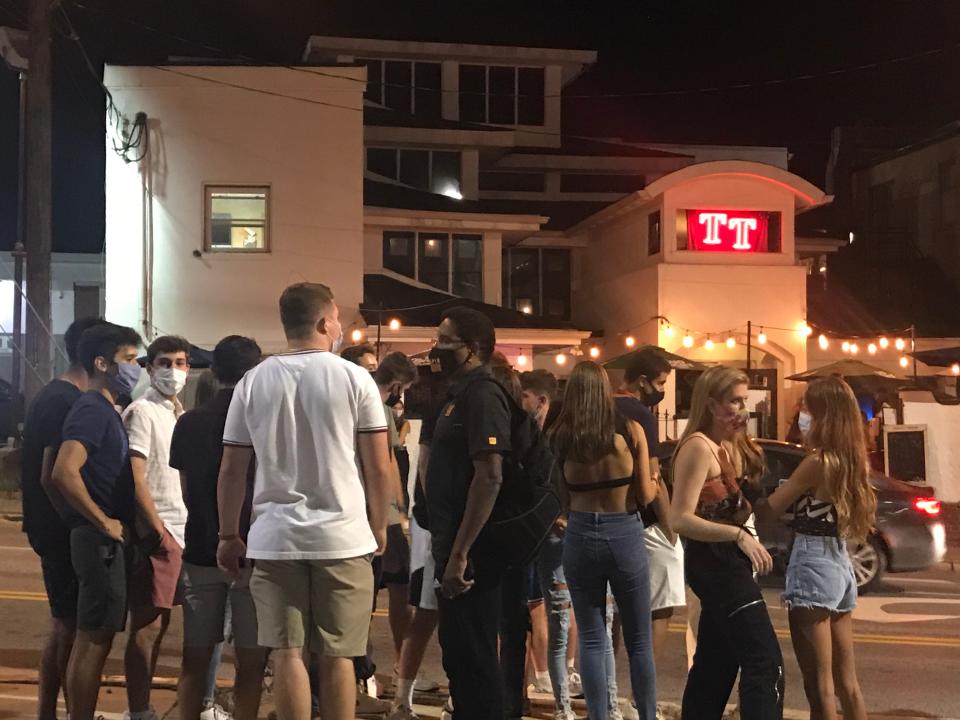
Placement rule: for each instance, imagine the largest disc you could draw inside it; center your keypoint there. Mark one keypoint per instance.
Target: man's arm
(231, 493)
(661, 503)
(487, 479)
(46, 480)
(375, 465)
(145, 505)
(68, 481)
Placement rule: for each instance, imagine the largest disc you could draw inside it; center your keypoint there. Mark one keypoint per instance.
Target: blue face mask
(125, 379)
(804, 421)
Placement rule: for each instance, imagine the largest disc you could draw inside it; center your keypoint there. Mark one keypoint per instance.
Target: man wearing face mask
(155, 574)
(92, 475)
(464, 476)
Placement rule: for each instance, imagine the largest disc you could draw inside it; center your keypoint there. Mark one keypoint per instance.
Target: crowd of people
(275, 510)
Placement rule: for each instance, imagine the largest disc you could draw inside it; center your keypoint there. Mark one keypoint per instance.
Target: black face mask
(447, 358)
(651, 399)
(393, 398)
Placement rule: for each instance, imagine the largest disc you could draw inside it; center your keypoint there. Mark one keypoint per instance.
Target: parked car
(909, 535)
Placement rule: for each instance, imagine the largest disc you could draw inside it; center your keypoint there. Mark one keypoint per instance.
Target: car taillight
(927, 505)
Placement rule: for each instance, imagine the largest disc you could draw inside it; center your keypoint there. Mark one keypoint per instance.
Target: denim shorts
(820, 575)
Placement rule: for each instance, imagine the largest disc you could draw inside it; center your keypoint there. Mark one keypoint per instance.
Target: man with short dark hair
(196, 451)
(307, 414)
(158, 559)
(364, 355)
(463, 480)
(49, 536)
(92, 474)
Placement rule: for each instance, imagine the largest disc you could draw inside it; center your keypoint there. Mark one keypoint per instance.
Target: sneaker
(564, 715)
(402, 712)
(150, 714)
(215, 712)
(574, 684)
(615, 714)
(541, 685)
(660, 715)
(370, 686)
(368, 706)
(426, 686)
(630, 711)
(447, 712)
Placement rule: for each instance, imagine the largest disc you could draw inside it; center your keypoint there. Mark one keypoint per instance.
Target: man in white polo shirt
(309, 416)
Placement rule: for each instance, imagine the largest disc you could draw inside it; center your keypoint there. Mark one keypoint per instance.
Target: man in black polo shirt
(463, 481)
(48, 534)
(196, 451)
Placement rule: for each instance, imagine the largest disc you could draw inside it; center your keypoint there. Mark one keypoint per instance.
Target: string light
(731, 343)
(630, 341)
(900, 344)
(526, 310)
(824, 343)
(561, 359)
(955, 368)
(845, 346)
(804, 330)
(708, 344)
(394, 324)
(356, 335)
(594, 352)
(884, 343)
(872, 348)
(522, 360)
(762, 337)
(668, 331)
(903, 361)
(688, 341)
(854, 348)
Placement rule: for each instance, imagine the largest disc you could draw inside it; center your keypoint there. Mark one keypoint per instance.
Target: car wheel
(869, 563)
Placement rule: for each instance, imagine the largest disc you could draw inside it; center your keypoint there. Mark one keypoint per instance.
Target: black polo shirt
(474, 422)
(633, 409)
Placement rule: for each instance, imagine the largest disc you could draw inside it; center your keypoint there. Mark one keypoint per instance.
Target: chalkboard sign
(905, 451)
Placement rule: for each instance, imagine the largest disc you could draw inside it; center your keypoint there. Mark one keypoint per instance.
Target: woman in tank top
(833, 502)
(606, 479)
(709, 509)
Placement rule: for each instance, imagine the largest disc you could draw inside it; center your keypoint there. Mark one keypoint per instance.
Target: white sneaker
(630, 711)
(447, 712)
(371, 687)
(564, 715)
(368, 706)
(574, 684)
(402, 712)
(150, 714)
(541, 685)
(215, 712)
(426, 686)
(615, 714)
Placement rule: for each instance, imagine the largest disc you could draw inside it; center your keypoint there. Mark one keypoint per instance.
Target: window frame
(516, 92)
(538, 301)
(383, 84)
(208, 191)
(430, 169)
(450, 237)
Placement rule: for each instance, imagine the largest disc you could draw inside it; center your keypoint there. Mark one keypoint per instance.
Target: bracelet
(226, 538)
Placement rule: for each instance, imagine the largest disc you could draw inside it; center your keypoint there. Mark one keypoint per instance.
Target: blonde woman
(710, 510)
(834, 503)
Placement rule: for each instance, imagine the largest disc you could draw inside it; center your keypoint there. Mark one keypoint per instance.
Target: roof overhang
(437, 137)
(589, 163)
(14, 48)
(505, 336)
(425, 219)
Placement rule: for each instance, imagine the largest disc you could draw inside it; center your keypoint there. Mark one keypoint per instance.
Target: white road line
(922, 581)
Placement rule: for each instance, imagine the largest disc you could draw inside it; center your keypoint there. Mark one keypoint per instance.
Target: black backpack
(528, 504)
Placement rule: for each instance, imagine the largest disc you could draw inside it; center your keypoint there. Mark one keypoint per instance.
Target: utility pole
(39, 221)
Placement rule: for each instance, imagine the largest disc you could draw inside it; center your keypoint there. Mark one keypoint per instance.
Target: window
(537, 281)
(948, 195)
(409, 87)
(437, 171)
(237, 219)
(510, 181)
(654, 241)
(502, 95)
(86, 301)
(601, 183)
(452, 263)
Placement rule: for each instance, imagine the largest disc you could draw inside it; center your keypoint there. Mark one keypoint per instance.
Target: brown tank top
(721, 498)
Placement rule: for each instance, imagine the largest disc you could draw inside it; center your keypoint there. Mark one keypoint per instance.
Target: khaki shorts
(320, 604)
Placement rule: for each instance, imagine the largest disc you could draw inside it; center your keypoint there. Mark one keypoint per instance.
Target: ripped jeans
(556, 597)
(735, 635)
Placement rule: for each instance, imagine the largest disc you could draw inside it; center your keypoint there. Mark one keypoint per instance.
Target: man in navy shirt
(92, 474)
(49, 536)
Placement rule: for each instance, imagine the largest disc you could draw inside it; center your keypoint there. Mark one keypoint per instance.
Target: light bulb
(762, 338)
(900, 344)
(630, 341)
(561, 359)
(668, 331)
(731, 343)
(884, 343)
(688, 341)
(872, 348)
(955, 368)
(903, 361)
(824, 343)
(854, 348)
(522, 360)
(526, 310)
(845, 346)
(594, 352)
(708, 344)
(394, 324)
(804, 330)
(356, 336)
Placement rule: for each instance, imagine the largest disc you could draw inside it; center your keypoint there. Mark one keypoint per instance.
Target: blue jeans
(602, 548)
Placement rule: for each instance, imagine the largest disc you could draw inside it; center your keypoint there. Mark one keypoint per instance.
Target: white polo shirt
(149, 422)
(301, 413)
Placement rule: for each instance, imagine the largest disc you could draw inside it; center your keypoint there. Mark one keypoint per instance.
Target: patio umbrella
(940, 357)
(677, 362)
(845, 369)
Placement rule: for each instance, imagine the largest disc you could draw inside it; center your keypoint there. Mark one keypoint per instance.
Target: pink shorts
(154, 581)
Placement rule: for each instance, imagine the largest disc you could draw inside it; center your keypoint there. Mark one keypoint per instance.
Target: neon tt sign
(727, 230)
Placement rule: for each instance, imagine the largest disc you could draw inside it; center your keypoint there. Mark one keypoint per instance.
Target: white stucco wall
(308, 150)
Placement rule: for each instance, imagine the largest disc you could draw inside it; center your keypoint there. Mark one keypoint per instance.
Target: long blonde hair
(836, 433)
(584, 430)
(714, 385)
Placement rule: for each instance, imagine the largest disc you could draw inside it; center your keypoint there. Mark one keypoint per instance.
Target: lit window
(237, 218)
(537, 281)
(453, 264)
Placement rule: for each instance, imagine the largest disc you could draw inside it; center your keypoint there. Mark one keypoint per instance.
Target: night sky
(644, 47)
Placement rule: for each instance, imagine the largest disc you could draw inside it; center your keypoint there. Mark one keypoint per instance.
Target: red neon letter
(713, 221)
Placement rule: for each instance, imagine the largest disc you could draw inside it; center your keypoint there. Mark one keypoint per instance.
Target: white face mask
(804, 421)
(169, 381)
(337, 343)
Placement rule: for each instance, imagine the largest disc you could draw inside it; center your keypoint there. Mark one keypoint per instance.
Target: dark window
(374, 91)
(445, 173)
(556, 283)
(530, 96)
(654, 236)
(382, 161)
(398, 81)
(434, 260)
(415, 168)
(86, 301)
(468, 266)
(398, 253)
(426, 102)
(601, 183)
(503, 96)
(774, 243)
(524, 274)
(517, 182)
(473, 93)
